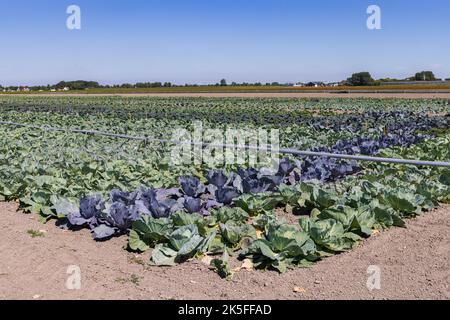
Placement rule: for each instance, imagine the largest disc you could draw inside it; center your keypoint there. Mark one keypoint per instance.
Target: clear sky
(202, 41)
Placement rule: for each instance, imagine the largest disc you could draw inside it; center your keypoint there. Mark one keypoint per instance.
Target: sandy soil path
(414, 264)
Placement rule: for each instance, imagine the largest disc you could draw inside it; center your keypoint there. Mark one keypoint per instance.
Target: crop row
(116, 187)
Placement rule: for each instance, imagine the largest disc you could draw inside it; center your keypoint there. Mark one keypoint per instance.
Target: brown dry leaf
(259, 234)
(206, 260)
(299, 290)
(375, 232)
(247, 264)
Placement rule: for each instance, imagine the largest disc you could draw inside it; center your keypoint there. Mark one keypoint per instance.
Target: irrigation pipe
(247, 147)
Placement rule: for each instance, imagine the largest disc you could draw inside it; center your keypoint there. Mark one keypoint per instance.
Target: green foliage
(361, 79)
(77, 85)
(35, 233)
(283, 246)
(425, 76)
(257, 204)
(148, 231)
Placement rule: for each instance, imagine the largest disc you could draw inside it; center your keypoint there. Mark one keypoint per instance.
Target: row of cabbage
(217, 221)
(183, 212)
(267, 108)
(38, 166)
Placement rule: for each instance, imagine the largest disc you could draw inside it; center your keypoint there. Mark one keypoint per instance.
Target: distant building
(333, 84)
(23, 89)
(315, 84)
(299, 84)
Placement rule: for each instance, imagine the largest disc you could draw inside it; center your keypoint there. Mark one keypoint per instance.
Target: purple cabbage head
(217, 178)
(191, 186)
(286, 166)
(226, 195)
(91, 208)
(192, 205)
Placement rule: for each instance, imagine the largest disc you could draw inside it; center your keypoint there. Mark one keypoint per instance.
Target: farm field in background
(257, 89)
(309, 209)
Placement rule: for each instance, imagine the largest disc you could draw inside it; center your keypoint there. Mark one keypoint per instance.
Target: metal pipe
(247, 147)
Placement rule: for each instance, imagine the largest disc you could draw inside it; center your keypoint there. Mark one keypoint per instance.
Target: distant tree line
(365, 78)
(77, 85)
(70, 85)
(357, 79)
(224, 83)
(86, 85)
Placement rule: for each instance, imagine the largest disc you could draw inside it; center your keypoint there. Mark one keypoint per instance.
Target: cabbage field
(310, 208)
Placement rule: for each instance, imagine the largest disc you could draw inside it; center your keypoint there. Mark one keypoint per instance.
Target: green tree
(223, 82)
(425, 76)
(77, 85)
(361, 79)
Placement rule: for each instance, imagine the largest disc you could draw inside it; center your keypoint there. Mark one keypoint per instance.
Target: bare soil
(414, 264)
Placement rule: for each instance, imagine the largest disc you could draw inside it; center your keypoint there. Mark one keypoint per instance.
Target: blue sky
(202, 41)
